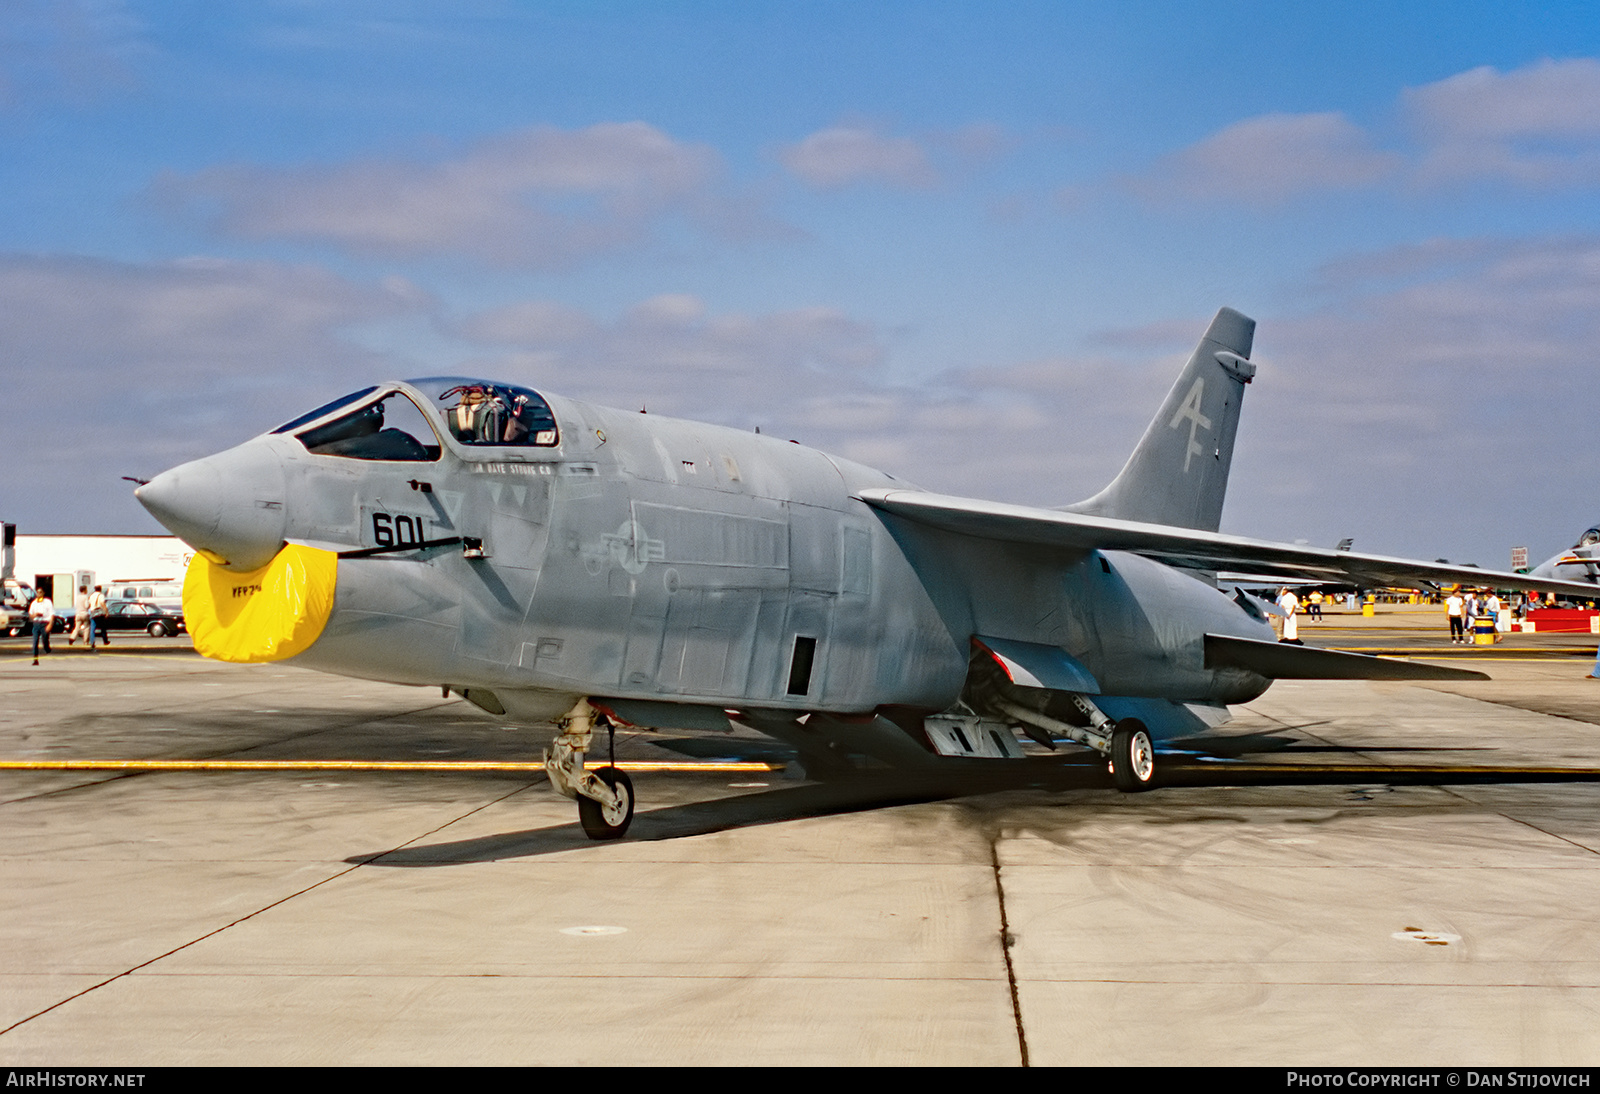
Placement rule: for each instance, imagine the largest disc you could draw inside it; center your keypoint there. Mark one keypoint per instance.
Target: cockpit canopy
(1589, 538)
(389, 425)
(480, 412)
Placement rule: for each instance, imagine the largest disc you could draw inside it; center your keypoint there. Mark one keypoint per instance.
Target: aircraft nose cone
(230, 506)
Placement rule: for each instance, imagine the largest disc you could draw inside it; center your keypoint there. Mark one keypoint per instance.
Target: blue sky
(969, 243)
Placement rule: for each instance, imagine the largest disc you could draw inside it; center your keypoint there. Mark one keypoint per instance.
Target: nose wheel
(608, 820)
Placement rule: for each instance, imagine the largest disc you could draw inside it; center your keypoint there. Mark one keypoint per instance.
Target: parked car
(134, 615)
(14, 600)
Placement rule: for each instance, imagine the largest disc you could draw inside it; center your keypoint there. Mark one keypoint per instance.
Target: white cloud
(539, 198)
(667, 352)
(818, 375)
(73, 49)
(668, 310)
(1445, 414)
(197, 320)
(1270, 159)
(529, 321)
(847, 154)
(119, 369)
(1559, 99)
(1535, 126)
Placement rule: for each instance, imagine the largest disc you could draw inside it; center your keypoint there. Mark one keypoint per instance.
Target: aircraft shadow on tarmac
(1233, 746)
(1210, 767)
(852, 795)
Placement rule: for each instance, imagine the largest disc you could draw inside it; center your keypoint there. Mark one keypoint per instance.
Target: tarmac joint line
(365, 860)
(1006, 942)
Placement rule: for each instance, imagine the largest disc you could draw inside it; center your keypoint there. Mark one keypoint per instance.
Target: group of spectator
(89, 619)
(1463, 610)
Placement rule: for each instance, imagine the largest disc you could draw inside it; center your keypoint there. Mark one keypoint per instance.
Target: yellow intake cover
(264, 615)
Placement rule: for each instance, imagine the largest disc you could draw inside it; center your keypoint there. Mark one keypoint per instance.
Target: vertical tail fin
(1178, 474)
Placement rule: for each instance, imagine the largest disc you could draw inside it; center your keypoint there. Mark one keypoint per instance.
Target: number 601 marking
(396, 531)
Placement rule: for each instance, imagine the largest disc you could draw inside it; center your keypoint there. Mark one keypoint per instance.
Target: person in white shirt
(1453, 607)
(80, 616)
(97, 617)
(1291, 608)
(43, 613)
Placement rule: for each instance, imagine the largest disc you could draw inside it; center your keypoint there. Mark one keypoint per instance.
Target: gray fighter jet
(551, 559)
(1580, 563)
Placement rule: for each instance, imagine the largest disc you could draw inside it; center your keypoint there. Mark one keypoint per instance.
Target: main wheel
(1133, 757)
(603, 822)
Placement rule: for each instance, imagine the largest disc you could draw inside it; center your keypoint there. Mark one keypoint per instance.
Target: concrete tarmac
(1346, 874)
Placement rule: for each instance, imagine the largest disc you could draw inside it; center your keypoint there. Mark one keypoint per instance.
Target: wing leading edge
(1077, 533)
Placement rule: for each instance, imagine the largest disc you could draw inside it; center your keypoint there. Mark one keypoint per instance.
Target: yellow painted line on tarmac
(1496, 770)
(368, 765)
(23, 658)
(1554, 655)
(1547, 660)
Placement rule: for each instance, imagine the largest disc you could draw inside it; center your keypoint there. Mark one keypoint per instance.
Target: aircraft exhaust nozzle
(229, 507)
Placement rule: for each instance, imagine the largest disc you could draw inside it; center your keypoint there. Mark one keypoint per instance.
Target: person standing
(97, 616)
(1291, 608)
(80, 616)
(1453, 608)
(43, 613)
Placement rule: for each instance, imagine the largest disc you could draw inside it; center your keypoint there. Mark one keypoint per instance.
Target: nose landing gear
(604, 797)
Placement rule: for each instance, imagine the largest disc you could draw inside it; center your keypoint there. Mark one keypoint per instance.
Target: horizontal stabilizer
(1287, 661)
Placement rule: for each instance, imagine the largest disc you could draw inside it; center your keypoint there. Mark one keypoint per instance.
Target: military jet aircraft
(1580, 563)
(551, 559)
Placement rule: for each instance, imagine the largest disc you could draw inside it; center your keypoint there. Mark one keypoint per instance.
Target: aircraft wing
(1186, 547)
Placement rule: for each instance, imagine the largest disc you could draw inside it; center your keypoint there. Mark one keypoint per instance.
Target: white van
(162, 592)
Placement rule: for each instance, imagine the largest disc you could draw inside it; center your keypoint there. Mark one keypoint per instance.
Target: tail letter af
(1191, 410)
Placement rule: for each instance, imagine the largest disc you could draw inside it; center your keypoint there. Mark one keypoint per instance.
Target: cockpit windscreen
(390, 428)
(325, 408)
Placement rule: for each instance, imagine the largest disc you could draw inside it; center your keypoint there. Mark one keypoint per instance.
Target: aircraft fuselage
(645, 557)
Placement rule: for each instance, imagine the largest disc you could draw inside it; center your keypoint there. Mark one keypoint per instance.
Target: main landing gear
(1126, 744)
(1133, 757)
(604, 796)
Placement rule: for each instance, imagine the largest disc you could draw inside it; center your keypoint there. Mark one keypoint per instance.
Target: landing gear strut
(605, 796)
